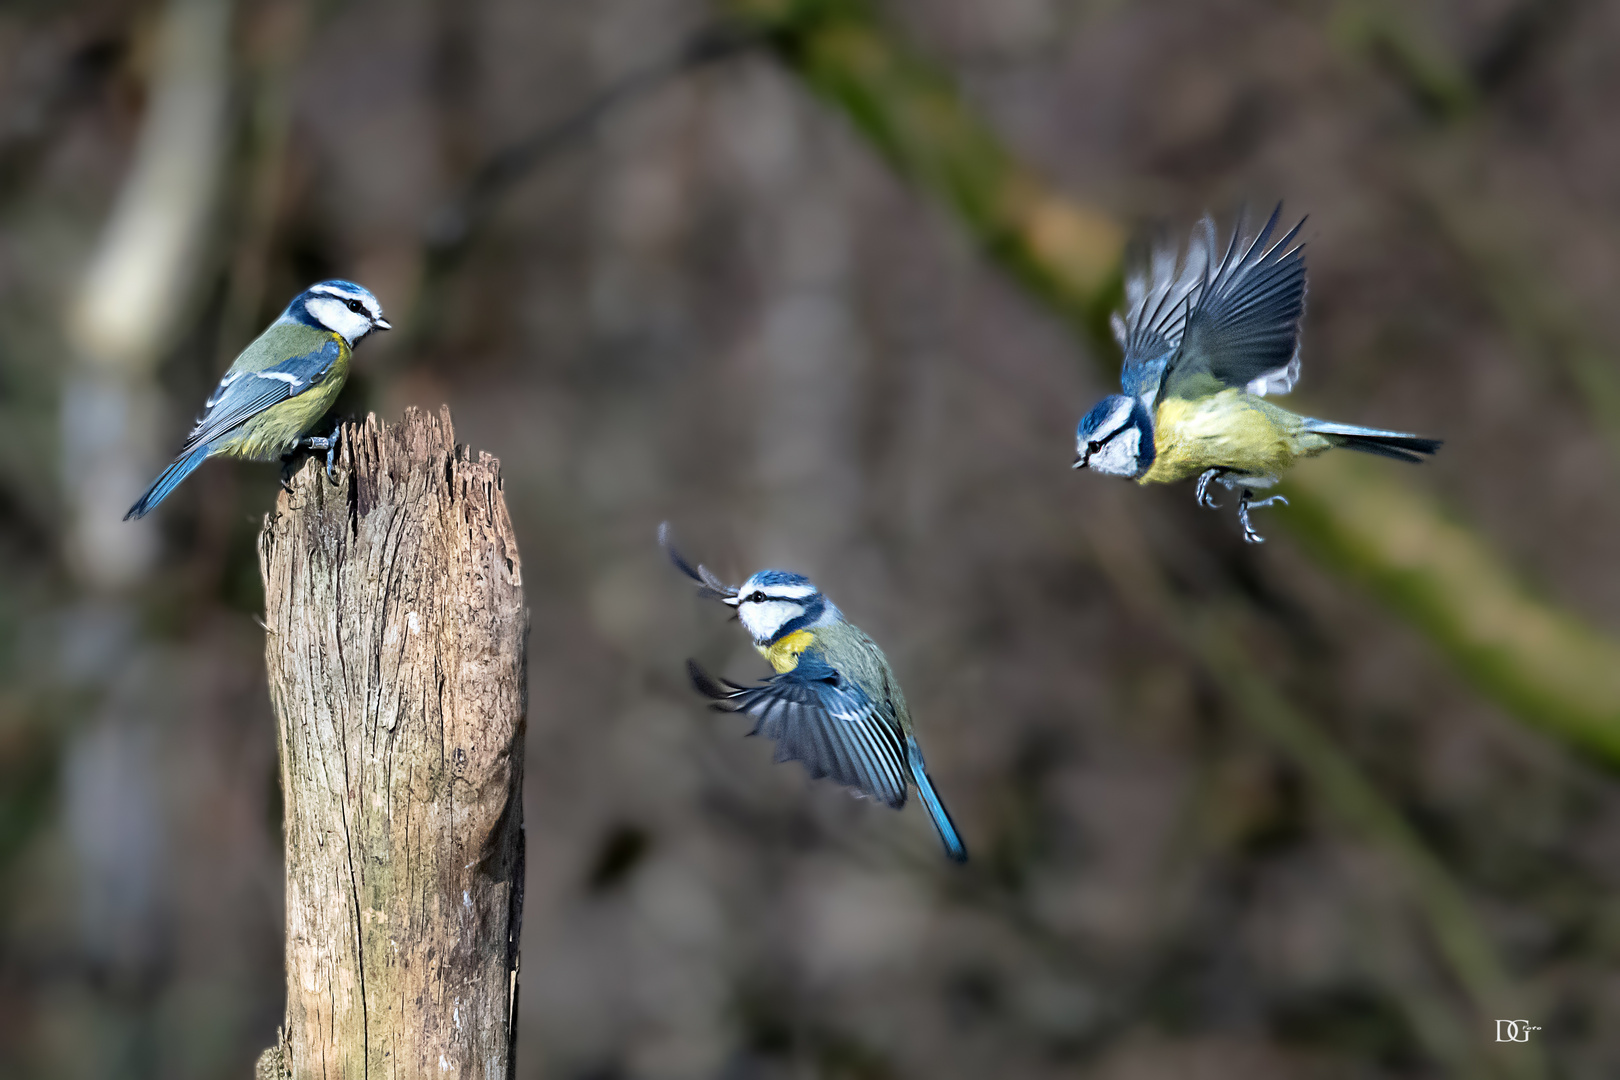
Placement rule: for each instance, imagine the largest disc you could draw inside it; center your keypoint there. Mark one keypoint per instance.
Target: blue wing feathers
(1157, 299)
(826, 722)
(829, 726)
(242, 395)
(1244, 325)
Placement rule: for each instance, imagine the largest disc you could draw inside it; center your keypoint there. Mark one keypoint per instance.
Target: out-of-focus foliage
(1227, 813)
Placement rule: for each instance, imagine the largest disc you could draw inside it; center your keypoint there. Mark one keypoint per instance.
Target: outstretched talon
(330, 444)
(1248, 502)
(1202, 495)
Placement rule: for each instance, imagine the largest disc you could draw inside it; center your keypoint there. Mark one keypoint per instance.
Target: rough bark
(396, 625)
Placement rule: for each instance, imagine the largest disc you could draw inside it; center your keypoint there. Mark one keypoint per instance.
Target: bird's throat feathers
(784, 652)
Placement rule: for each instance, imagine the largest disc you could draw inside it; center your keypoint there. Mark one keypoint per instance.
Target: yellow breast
(783, 653)
(1231, 430)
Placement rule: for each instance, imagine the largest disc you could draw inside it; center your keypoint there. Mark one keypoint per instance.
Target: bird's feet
(1202, 495)
(330, 444)
(1249, 502)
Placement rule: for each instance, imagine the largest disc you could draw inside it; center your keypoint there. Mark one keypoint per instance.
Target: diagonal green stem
(1546, 666)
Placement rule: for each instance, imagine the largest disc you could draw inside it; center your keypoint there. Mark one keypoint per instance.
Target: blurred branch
(1213, 637)
(137, 289)
(1544, 665)
(1462, 943)
(454, 223)
(1070, 256)
(274, 42)
(1534, 308)
(1396, 35)
(138, 284)
(910, 111)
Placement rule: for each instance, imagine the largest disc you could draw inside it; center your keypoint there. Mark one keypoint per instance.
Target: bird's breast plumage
(1232, 430)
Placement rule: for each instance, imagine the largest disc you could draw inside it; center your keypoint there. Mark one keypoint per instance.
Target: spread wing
(1158, 295)
(1243, 330)
(816, 716)
(242, 394)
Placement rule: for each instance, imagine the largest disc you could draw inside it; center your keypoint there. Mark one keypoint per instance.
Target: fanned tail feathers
(167, 481)
(1391, 444)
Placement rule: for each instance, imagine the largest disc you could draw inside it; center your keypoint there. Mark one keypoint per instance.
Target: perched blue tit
(833, 703)
(1205, 342)
(279, 386)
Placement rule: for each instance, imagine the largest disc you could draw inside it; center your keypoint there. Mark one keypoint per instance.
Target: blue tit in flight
(279, 386)
(833, 702)
(1205, 342)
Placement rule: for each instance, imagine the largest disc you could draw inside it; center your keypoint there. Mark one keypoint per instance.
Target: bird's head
(1116, 438)
(342, 307)
(770, 605)
(774, 602)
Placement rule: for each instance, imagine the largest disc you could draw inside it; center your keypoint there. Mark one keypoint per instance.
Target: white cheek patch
(1120, 455)
(336, 316)
(763, 620)
(367, 302)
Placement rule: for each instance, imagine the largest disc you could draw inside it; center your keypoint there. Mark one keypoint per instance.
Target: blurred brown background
(716, 305)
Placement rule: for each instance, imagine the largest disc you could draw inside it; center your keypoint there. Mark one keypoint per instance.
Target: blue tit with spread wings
(1206, 338)
(833, 703)
(279, 387)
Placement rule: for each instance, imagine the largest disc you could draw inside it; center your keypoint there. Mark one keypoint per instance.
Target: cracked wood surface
(395, 645)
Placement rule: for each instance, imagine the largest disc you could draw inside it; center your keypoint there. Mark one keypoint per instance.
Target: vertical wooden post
(396, 625)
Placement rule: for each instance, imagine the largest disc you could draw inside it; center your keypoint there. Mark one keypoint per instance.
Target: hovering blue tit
(279, 386)
(833, 703)
(1205, 341)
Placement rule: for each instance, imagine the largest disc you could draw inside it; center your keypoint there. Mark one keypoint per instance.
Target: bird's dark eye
(756, 597)
(354, 306)
(1093, 447)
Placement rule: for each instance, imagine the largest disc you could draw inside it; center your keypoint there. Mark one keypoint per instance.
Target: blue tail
(954, 848)
(167, 481)
(1392, 444)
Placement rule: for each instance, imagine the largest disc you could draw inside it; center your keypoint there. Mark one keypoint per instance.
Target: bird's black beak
(1079, 463)
(381, 324)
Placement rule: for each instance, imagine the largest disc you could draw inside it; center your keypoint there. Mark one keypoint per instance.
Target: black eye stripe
(759, 597)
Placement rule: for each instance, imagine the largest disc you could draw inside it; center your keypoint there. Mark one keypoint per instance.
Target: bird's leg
(330, 444)
(1202, 495)
(1248, 502)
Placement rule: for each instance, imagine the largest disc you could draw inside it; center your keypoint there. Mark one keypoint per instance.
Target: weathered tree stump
(395, 618)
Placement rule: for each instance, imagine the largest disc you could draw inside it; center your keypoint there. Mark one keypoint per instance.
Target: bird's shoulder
(1190, 386)
(861, 661)
(289, 341)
